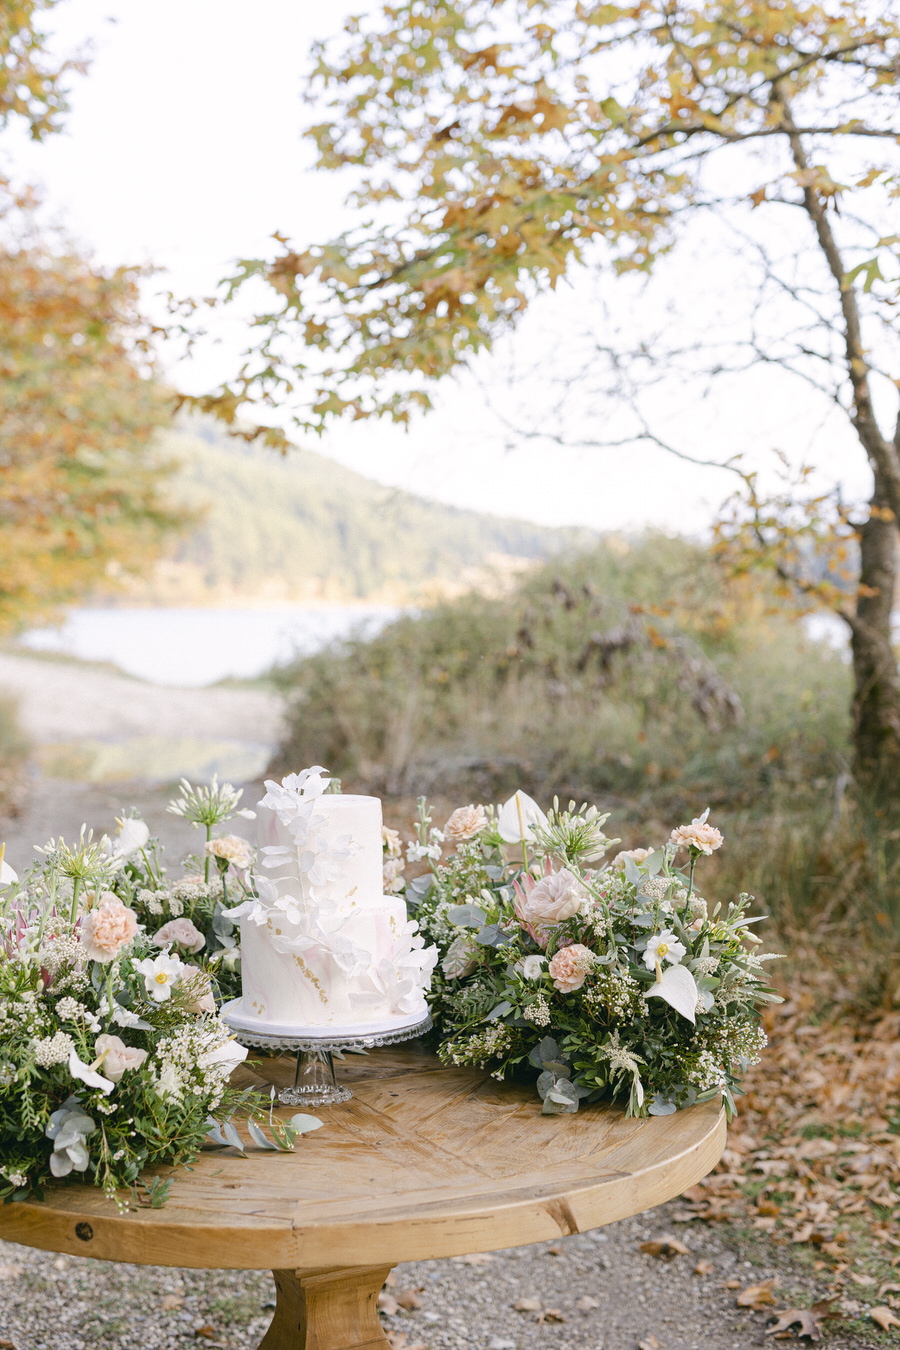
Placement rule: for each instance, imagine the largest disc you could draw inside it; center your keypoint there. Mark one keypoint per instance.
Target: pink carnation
(106, 929)
(181, 933)
(569, 967)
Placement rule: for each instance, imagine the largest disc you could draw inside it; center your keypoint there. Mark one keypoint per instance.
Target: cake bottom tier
(290, 989)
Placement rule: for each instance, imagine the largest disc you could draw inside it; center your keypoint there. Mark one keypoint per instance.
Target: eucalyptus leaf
(232, 1136)
(500, 1011)
(258, 1136)
(662, 1106)
(654, 861)
(633, 875)
(546, 1050)
(304, 1123)
(467, 916)
(492, 935)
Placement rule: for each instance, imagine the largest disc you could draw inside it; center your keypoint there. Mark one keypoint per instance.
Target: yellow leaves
(884, 1318)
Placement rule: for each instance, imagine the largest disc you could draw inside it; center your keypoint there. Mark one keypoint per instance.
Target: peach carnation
(181, 933)
(698, 835)
(569, 967)
(107, 929)
(232, 848)
(465, 823)
(637, 855)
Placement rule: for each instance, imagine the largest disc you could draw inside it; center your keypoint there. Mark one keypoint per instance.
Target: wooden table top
(423, 1161)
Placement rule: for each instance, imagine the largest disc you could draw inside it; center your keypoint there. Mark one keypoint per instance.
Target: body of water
(193, 647)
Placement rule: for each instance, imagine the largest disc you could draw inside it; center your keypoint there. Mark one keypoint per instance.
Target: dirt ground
(594, 1291)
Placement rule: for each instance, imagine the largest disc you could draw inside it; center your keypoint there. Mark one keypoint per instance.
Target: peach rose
(117, 1057)
(194, 991)
(465, 823)
(107, 929)
(636, 855)
(182, 933)
(569, 967)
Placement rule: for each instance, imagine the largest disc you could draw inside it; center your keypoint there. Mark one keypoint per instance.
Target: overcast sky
(183, 150)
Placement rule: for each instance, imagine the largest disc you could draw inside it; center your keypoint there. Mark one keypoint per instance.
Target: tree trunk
(876, 684)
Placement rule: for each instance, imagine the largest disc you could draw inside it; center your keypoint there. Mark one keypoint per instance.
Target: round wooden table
(422, 1162)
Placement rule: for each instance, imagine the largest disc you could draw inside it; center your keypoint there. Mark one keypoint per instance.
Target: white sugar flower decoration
(160, 975)
(661, 947)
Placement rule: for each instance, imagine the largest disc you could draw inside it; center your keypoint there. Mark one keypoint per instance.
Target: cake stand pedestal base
(314, 1079)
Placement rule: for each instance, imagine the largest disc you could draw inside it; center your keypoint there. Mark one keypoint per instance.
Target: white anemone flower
(661, 947)
(160, 974)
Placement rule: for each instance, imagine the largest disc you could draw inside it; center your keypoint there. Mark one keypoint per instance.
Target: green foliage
(31, 82)
(579, 684)
(493, 143)
(304, 527)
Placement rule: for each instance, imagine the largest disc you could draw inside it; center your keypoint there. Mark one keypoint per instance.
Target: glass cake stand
(314, 1081)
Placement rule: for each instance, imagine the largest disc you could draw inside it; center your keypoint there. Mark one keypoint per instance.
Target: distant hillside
(304, 528)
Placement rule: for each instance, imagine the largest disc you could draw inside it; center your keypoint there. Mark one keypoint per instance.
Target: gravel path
(594, 1291)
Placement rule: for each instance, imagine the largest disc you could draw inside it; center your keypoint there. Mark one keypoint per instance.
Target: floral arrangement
(612, 980)
(112, 1057)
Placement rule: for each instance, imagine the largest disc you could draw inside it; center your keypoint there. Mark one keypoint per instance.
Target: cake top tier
(318, 846)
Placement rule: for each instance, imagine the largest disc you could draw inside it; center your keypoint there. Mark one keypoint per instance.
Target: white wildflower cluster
(613, 993)
(707, 1073)
(155, 902)
(416, 852)
(58, 950)
(538, 1012)
(705, 965)
(53, 1049)
(13, 1176)
(7, 1073)
(484, 1046)
(193, 1061)
(655, 888)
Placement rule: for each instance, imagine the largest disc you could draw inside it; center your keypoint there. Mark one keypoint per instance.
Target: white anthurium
(678, 987)
(133, 835)
(7, 875)
(88, 1074)
(518, 817)
(228, 1054)
(160, 974)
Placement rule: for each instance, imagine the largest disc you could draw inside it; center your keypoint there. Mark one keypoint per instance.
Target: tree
(501, 143)
(82, 485)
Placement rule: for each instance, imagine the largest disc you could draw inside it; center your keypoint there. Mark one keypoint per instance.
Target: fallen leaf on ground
(586, 1303)
(554, 1251)
(7, 1345)
(885, 1318)
(862, 1279)
(527, 1305)
(666, 1247)
(207, 1332)
(387, 1304)
(757, 1296)
(9, 1272)
(473, 1259)
(550, 1315)
(172, 1301)
(705, 1268)
(650, 1343)
(408, 1299)
(397, 1340)
(391, 1279)
(809, 1320)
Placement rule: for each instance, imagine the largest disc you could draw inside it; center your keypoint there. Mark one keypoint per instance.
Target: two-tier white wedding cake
(322, 948)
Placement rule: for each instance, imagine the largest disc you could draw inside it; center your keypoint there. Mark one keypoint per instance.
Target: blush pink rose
(569, 967)
(194, 991)
(117, 1056)
(181, 933)
(107, 929)
(546, 903)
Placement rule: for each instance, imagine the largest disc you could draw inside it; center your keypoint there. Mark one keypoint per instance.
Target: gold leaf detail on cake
(311, 977)
(259, 1007)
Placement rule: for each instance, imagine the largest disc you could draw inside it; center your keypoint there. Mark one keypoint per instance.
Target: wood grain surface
(423, 1161)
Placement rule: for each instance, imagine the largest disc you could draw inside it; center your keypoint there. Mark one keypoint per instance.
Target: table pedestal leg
(327, 1310)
